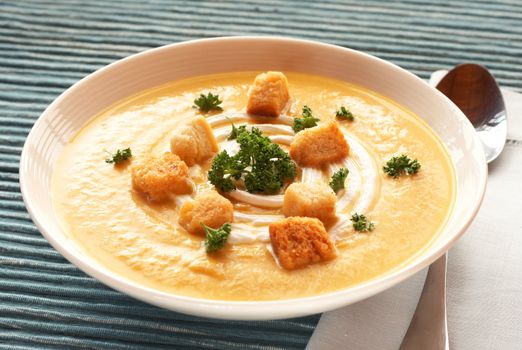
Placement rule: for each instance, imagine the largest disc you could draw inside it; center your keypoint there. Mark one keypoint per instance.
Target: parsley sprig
(402, 164)
(361, 223)
(307, 121)
(338, 179)
(263, 166)
(345, 114)
(216, 238)
(208, 102)
(120, 156)
(236, 131)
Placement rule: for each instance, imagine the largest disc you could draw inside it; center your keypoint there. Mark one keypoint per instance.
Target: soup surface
(143, 241)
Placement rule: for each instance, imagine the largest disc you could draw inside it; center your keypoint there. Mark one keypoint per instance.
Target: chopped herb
(209, 102)
(402, 164)
(121, 155)
(344, 113)
(236, 131)
(361, 223)
(263, 166)
(216, 238)
(338, 179)
(307, 121)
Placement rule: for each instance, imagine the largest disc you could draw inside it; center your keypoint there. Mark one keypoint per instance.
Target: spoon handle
(428, 328)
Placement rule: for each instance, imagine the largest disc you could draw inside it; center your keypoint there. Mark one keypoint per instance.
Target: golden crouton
(207, 208)
(299, 242)
(319, 145)
(268, 94)
(157, 178)
(313, 200)
(193, 141)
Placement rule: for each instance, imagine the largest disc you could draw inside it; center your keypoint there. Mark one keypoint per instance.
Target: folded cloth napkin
(484, 296)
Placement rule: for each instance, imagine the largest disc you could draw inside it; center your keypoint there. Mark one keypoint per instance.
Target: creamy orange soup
(143, 241)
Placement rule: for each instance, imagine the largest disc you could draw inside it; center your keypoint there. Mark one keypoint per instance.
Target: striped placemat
(45, 46)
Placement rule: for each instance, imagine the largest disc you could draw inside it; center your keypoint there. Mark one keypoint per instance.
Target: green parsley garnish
(344, 113)
(225, 171)
(307, 121)
(263, 166)
(338, 178)
(216, 238)
(236, 131)
(121, 155)
(361, 223)
(402, 164)
(209, 102)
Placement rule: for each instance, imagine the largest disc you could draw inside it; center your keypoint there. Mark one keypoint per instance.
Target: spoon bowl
(475, 91)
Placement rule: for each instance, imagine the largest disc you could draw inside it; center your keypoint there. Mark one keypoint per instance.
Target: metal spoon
(474, 90)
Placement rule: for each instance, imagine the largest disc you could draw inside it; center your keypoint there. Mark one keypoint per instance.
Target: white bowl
(69, 112)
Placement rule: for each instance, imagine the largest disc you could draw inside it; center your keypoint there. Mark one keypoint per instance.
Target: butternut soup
(226, 187)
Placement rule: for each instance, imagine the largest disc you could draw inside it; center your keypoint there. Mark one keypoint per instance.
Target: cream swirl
(362, 184)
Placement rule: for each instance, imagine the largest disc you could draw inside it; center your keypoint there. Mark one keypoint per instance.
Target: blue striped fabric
(45, 46)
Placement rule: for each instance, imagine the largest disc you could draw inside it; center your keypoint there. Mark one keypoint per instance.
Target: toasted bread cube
(157, 178)
(319, 145)
(268, 94)
(209, 208)
(193, 141)
(316, 200)
(299, 242)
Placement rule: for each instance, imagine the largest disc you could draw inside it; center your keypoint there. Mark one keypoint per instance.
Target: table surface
(46, 46)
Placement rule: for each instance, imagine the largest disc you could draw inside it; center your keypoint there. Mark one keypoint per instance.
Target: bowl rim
(246, 310)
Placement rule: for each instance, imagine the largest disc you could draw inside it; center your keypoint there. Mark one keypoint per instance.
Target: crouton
(157, 178)
(268, 94)
(319, 145)
(299, 242)
(193, 141)
(315, 200)
(207, 208)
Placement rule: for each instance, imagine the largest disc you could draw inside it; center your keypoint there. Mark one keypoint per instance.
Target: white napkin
(484, 274)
